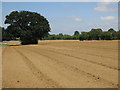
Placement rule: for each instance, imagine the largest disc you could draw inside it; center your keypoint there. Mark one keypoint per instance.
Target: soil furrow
(44, 53)
(49, 82)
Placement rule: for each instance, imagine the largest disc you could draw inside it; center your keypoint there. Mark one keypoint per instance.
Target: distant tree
(76, 33)
(113, 33)
(111, 30)
(84, 36)
(106, 36)
(29, 26)
(60, 34)
(118, 35)
(95, 34)
(75, 37)
(67, 37)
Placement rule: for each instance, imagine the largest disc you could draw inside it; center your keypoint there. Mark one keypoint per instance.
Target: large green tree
(28, 26)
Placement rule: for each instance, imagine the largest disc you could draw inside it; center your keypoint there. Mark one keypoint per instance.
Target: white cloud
(107, 18)
(74, 18)
(103, 7)
(77, 19)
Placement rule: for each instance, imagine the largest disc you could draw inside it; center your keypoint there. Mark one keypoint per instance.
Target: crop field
(60, 64)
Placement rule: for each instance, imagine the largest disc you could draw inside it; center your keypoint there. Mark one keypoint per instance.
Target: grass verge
(3, 45)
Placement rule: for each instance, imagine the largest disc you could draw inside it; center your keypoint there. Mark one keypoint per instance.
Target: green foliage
(113, 34)
(60, 34)
(95, 34)
(4, 35)
(76, 33)
(0, 34)
(84, 36)
(57, 37)
(29, 26)
(106, 36)
(118, 35)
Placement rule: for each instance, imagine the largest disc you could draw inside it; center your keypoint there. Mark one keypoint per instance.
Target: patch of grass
(3, 45)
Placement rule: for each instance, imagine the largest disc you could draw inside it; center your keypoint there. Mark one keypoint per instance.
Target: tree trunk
(29, 41)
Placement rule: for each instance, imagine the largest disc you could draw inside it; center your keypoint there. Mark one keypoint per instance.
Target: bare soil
(61, 64)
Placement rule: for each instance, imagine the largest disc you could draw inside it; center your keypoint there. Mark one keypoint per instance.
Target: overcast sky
(67, 17)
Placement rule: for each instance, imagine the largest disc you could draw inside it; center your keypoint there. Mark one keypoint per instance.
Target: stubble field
(61, 64)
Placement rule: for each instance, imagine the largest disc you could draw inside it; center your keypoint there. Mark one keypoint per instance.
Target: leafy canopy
(27, 25)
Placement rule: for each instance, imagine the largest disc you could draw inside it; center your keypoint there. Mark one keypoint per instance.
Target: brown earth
(61, 64)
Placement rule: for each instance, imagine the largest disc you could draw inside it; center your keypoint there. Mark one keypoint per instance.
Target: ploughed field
(61, 64)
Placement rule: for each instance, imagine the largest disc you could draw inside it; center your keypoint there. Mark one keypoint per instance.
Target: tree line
(94, 34)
